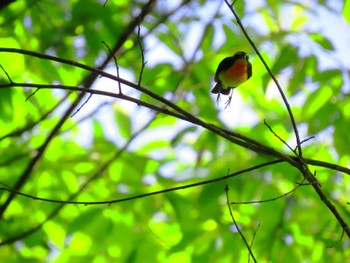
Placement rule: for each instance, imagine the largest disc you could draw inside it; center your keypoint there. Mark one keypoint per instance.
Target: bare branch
(114, 201)
(240, 139)
(143, 63)
(301, 165)
(338, 241)
(296, 132)
(236, 225)
(116, 65)
(229, 135)
(82, 105)
(251, 244)
(18, 132)
(7, 75)
(270, 199)
(31, 95)
(276, 135)
(233, 137)
(331, 166)
(303, 141)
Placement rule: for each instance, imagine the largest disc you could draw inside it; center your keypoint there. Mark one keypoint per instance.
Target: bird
(231, 72)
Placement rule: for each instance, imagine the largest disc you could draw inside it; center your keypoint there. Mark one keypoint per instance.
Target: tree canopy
(113, 149)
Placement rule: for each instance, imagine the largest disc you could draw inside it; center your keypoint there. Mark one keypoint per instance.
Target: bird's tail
(218, 88)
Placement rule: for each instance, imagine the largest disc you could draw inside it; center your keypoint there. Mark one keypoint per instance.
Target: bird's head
(241, 55)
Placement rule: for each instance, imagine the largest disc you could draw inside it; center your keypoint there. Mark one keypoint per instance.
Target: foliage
(82, 155)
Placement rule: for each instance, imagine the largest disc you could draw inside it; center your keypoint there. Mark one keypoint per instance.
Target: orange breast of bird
(235, 75)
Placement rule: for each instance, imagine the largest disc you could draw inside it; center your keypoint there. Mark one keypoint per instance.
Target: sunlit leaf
(123, 121)
(346, 9)
(322, 41)
(317, 101)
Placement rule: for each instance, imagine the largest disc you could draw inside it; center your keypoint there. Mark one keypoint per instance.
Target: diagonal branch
(233, 137)
(296, 132)
(270, 199)
(301, 164)
(236, 225)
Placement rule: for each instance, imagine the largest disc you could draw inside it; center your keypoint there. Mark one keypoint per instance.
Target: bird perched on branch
(231, 72)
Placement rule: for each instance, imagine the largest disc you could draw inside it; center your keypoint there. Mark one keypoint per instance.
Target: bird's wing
(249, 70)
(224, 65)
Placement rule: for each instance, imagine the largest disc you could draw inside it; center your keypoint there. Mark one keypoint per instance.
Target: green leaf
(322, 41)
(6, 104)
(319, 98)
(346, 11)
(177, 139)
(122, 119)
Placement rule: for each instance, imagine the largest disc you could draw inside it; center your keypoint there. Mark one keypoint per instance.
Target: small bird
(231, 72)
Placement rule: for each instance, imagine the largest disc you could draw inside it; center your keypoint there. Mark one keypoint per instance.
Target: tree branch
(114, 201)
(296, 132)
(301, 164)
(87, 82)
(236, 225)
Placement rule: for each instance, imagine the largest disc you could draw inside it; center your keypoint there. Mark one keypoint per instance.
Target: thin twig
(233, 3)
(143, 63)
(82, 105)
(303, 141)
(270, 199)
(116, 65)
(32, 94)
(251, 244)
(114, 201)
(276, 135)
(18, 132)
(236, 225)
(338, 241)
(7, 75)
(86, 117)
